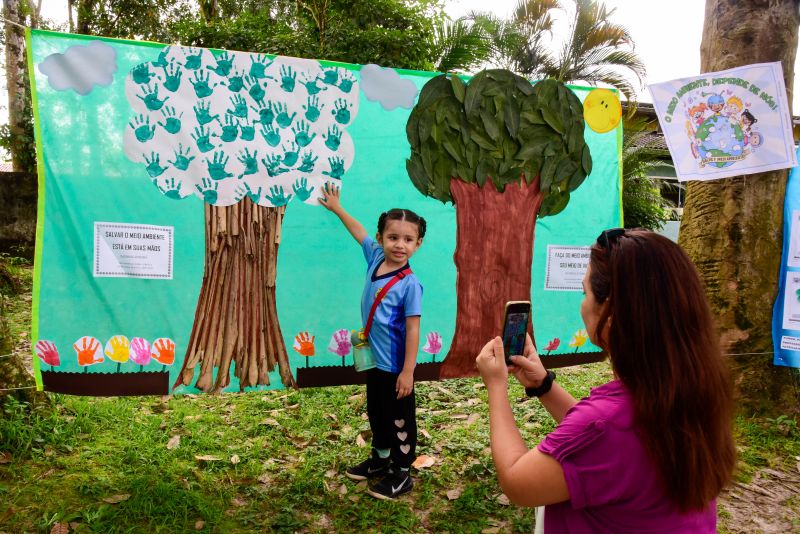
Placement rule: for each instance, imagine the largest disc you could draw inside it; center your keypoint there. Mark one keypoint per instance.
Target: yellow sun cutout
(602, 110)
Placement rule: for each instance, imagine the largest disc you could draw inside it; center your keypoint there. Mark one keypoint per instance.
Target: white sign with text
(566, 267)
(133, 250)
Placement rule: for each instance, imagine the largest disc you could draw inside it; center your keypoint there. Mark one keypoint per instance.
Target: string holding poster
(726, 123)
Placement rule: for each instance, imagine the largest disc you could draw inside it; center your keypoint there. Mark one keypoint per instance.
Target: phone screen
(514, 333)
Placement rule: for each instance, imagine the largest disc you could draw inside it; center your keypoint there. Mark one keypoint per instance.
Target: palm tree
(459, 45)
(642, 202)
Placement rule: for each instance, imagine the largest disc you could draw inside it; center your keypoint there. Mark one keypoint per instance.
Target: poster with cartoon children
(726, 123)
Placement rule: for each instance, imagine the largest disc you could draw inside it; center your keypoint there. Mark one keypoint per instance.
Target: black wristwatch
(547, 383)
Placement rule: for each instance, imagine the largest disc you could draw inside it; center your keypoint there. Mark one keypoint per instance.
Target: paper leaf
(114, 499)
(503, 500)
(174, 442)
(423, 461)
(453, 494)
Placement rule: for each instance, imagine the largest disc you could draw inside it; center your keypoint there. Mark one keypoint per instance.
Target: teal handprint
(278, 197)
(265, 113)
(248, 132)
(200, 84)
(230, 130)
(171, 189)
(173, 74)
(201, 137)
(182, 159)
(334, 138)
(141, 74)
(162, 58)
(209, 190)
(301, 189)
(337, 168)
(341, 111)
(172, 122)
(283, 119)
(259, 65)
(346, 83)
(154, 168)
(244, 190)
(216, 167)
(203, 114)
(193, 61)
(249, 161)
(272, 164)
(150, 98)
(311, 84)
(239, 107)
(254, 88)
(287, 78)
(271, 135)
(307, 163)
(224, 64)
(330, 76)
(142, 129)
(313, 108)
(290, 156)
(236, 82)
(301, 134)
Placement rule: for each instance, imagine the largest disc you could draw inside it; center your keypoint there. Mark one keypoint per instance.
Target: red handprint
(86, 347)
(164, 351)
(48, 353)
(304, 344)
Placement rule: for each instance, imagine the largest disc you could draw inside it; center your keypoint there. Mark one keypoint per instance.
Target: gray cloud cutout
(81, 67)
(387, 87)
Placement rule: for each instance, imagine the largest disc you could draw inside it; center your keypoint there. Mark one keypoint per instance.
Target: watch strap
(545, 386)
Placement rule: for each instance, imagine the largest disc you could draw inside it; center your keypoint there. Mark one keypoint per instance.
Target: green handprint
(142, 129)
(341, 111)
(239, 107)
(162, 58)
(278, 197)
(271, 135)
(330, 76)
(230, 130)
(250, 162)
(283, 119)
(200, 84)
(259, 65)
(301, 189)
(201, 111)
(224, 64)
(245, 190)
(346, 84)
(236, 82)
(172, 122)
(272, 164)
(337, 168)
(182, 160)
(311, 85)
(313, 108)
(216, 167)
(141, 74)
(248, 132)
(334, 138)
(201, 137)
(290, 156)
(193, 62)
(209, 190)
(307, 163)
(301, 134)
(173, 74)
(287, 78)
(265, 113)
(171, 189)
(150, 98)
(254, 88)
(154, 168)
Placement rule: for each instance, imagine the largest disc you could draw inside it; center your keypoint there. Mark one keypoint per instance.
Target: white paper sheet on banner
(726, 123)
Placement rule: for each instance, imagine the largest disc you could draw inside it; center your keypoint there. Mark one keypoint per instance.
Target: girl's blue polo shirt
(387, 336)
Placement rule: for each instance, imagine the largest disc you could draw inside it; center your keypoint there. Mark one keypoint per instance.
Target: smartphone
(515, 326)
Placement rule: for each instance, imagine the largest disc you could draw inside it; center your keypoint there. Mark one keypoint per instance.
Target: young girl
(393, 339)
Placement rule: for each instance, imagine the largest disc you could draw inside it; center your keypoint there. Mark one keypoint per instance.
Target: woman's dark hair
(399, 214)
(749, 116)
(663, 346)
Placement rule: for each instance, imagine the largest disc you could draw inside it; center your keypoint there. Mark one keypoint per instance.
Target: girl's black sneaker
(372, 467)
(395, 483)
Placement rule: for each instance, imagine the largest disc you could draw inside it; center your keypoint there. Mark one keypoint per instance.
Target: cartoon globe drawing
(717, 137)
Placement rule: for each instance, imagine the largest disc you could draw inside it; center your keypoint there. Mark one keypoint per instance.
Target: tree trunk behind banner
(494, 252)
(236, 320)
(732, 228)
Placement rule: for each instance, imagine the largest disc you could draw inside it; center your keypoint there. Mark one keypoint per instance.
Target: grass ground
(274, 461)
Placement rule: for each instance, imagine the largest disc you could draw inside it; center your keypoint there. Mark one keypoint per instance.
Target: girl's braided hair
(399, 214)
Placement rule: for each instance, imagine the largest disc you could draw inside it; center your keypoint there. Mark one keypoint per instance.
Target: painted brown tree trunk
(494, 252)
(236, 321)
(732, 228)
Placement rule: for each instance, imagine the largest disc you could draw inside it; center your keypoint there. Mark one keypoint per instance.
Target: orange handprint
(86, 347)
(304, 345)
(164, 352)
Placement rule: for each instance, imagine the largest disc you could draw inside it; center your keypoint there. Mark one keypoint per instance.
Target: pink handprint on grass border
(433, 345)
(140, 352)
(340, 344)
(48, 353)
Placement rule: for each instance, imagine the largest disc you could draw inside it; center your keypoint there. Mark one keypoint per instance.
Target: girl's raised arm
(331, 201)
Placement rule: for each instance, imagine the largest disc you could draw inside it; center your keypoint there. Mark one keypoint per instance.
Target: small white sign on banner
(133, 250)
(791, 302)
(566, 267)
(793, 259)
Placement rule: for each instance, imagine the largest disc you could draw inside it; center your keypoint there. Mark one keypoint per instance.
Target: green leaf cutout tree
(504, 152)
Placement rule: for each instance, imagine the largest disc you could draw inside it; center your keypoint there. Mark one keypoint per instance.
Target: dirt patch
(769, 503)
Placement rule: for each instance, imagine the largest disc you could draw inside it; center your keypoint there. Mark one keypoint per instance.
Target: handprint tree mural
(503, 152)
(247, 134)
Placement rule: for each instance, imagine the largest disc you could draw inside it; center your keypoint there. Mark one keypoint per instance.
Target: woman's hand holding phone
(528, 369)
